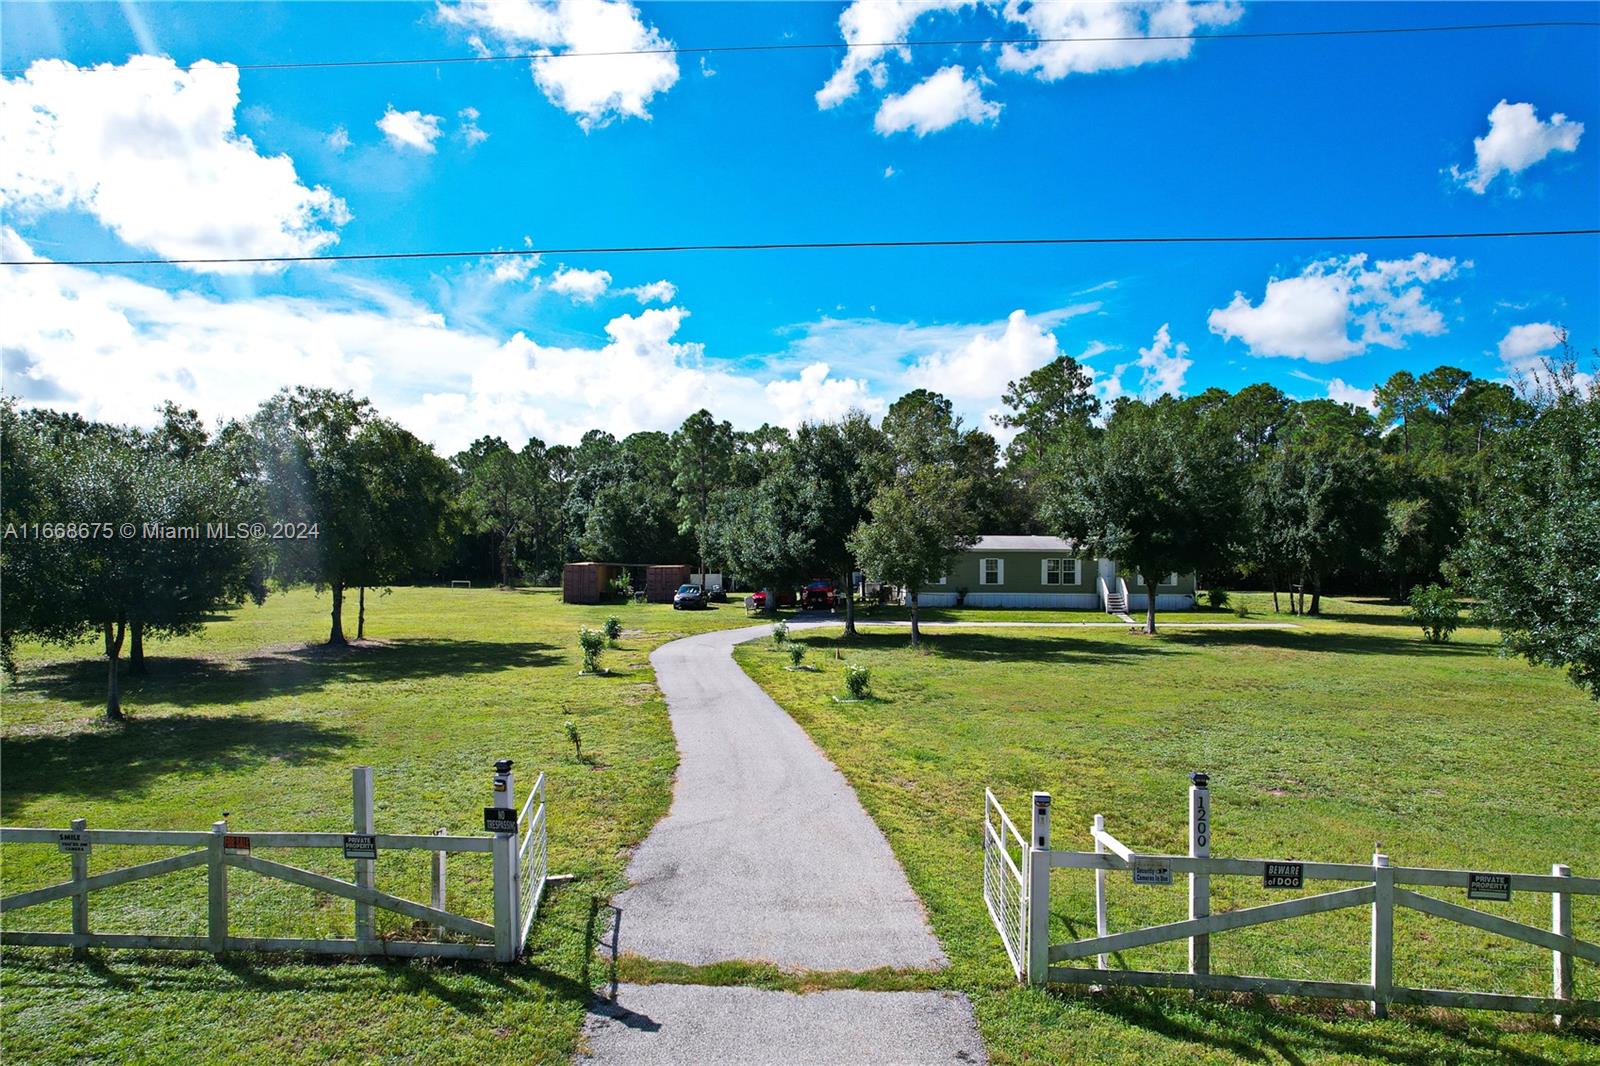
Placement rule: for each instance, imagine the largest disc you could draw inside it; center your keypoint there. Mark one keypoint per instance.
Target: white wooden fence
(518, 848)
(1377, 887)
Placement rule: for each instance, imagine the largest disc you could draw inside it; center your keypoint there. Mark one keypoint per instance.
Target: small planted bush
(857, 680)
(1217, 598)
(1242, 609)
(577, 740)
(780, 633)
(1434, 608)
(592, 641)
(797, 655)
(613, 629)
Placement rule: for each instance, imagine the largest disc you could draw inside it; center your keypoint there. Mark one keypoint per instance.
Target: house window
(1168, 581)
(1060, 572)
(991, 571)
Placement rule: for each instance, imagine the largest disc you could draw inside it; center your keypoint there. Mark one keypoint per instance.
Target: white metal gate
(1003, 887)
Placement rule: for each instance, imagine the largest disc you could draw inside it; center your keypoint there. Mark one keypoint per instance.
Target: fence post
(1039, 891)
(361, 803)
(1382, 934)
(80, 898)
(1561, 925)
(217, 887)
(437, 895)
(1099, 889)
(1199, 883)
(505, 869)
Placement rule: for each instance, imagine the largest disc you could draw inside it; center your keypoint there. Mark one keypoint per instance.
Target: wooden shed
(586, 582)
(660, 582)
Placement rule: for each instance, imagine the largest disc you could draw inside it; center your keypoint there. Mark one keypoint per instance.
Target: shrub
(1217, 598)
(1434, 608)
(622, 584)
(572, 735)
(780, 633)
(797, 654)
(591, 641)
(1242, 609)
(613, 629)
(857, 680)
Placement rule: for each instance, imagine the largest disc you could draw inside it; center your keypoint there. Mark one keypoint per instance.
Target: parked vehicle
(688, 597)
(784, 598)
(819, 595)
(716, 594)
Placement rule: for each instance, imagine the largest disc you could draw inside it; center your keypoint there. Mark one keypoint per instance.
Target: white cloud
(1340, 392)
(582, 286)
(1310, 316)
(114, 348)
(938, 102)
(888, 172)
(338, 140)
(409, 129)
(1516, 141)
(1524, 347)
(662, 291)
(1054, 59)
(868, 25)
(153, 153)
(1162, 366)
(981, 364)
(469, 127)
(598, 88)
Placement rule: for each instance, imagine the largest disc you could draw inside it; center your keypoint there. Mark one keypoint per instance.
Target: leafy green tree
(408, 490)
(702, 467)
(827, 474)
(922, 515)
(1047, 403)
(1399, 400)
(1315, 504)
(1532, 554)
(1435, 610)
(1159, 491)
(1442, 387)
(919, 524)
(503, 493)
(376, 495)
(150, 558)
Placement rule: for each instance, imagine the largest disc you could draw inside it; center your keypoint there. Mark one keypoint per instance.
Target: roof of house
(1012, 543)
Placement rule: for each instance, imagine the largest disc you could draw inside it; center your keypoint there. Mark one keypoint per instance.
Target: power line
(789, 246)
(794, 46)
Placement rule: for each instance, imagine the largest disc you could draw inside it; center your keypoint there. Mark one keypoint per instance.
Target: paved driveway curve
(766, 853)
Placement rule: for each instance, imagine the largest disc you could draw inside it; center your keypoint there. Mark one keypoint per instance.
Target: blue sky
(177, 154)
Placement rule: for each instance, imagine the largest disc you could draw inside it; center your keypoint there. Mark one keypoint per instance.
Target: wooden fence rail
(518, 846)
(1377, 888)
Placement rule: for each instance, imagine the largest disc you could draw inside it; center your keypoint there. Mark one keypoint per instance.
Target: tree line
(1454, 478)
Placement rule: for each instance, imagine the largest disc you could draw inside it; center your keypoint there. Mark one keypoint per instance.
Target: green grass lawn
(246, 718)
(1321, 742)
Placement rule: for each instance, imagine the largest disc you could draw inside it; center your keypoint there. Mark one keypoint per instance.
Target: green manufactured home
(1028, 571)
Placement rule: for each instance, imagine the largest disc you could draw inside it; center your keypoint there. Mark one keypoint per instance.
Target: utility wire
(793, 46)
(771, 246)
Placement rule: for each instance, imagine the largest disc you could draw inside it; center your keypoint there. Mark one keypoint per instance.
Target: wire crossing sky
(525, 218)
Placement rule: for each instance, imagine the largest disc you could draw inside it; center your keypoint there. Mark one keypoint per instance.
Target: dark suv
(688, 597)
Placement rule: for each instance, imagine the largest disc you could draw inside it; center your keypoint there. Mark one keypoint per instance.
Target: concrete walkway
(767, 855)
